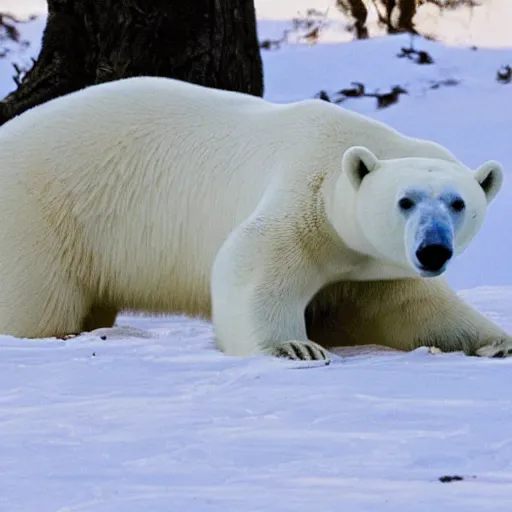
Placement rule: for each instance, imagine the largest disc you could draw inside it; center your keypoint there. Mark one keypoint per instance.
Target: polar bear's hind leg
(42, 311)
(39, 295)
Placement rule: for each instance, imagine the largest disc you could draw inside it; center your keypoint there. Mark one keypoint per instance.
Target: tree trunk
(390, 7)
(359, 12)
(407, 13)
(86, 42)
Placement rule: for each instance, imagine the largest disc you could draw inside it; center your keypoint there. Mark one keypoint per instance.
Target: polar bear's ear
(357, 163)
(490, 177)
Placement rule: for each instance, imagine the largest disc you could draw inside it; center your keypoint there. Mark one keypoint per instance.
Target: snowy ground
(157, 425)
(132, 425)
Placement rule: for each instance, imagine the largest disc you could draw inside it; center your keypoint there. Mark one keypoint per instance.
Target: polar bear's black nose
(432, 257)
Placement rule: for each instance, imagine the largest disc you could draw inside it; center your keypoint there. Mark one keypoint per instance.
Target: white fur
(151, 194)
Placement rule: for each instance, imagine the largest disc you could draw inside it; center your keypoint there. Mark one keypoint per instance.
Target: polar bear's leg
(404, 314)
(496, 347)
(261, 285)
(39, 296)
(449, 323)
(36, 303)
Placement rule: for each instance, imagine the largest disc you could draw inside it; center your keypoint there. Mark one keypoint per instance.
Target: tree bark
(359, 12)
(407, 13)
(86, 42)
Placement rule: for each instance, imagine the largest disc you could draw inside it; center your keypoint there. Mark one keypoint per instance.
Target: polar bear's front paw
(299, 350)
(499, 348)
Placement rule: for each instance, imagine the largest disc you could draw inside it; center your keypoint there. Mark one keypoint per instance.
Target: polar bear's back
(142, 179)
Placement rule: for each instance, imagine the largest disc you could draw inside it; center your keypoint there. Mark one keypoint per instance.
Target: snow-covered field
(168, 423)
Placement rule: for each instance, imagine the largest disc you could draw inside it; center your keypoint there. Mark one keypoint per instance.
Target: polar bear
(294, 227)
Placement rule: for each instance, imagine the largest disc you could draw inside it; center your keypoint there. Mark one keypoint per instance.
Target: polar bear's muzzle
(430, 243)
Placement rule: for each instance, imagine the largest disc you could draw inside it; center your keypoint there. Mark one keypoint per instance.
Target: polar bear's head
(418, 213)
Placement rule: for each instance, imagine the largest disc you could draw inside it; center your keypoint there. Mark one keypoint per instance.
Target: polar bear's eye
(457, 205)
(405, 203)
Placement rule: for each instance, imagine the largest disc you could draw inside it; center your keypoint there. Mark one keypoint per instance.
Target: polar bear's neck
(340, 210)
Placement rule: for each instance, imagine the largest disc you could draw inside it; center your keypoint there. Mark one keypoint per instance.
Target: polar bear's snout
(430, 237)
(433, 247)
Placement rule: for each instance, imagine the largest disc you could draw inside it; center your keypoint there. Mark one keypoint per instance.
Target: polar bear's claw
(500, 348)
(300, 350)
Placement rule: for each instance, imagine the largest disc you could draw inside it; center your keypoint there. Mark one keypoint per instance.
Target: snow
(135, 425)
(168, 423)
